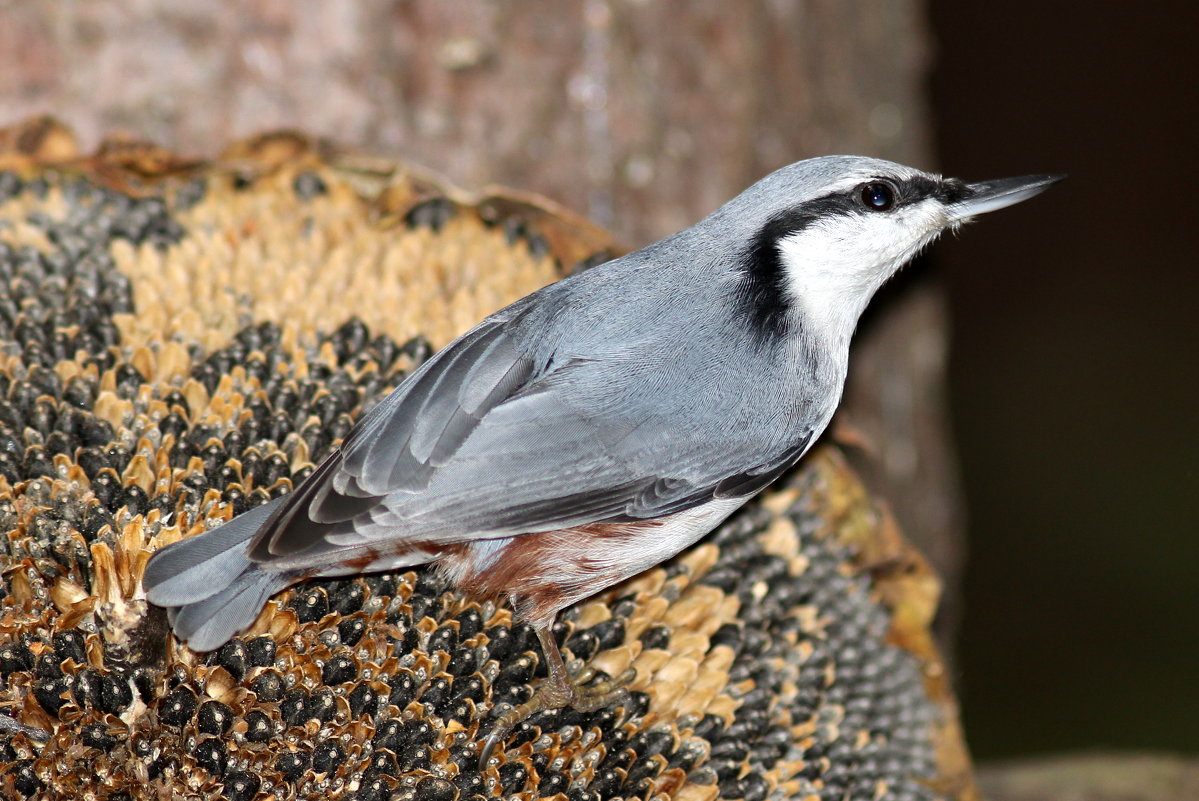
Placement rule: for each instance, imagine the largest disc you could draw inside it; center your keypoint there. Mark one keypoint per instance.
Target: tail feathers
(210, 623)
(202, 566)
(209, 586)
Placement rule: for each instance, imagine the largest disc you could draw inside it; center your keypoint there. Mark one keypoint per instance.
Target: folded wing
(485, 442)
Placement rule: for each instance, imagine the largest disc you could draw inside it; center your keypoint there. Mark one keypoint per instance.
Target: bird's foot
(555, 694)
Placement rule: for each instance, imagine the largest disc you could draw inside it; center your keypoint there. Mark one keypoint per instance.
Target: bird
(599, 425)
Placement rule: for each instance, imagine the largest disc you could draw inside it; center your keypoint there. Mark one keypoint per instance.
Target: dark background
(1073, 371)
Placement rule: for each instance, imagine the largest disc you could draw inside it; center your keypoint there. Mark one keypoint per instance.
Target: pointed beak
(987, 196)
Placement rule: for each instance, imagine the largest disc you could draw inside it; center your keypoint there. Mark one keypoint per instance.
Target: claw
(493, 739)
(558, 690)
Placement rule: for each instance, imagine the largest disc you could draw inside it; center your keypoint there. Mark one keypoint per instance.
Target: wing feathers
(398, 447)
(481, 443)
(754, 481)
(439, 408)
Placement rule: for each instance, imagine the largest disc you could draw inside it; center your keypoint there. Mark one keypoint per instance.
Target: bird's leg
(558, 690)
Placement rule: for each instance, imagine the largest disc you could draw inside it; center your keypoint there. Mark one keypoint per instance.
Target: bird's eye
(878, 196)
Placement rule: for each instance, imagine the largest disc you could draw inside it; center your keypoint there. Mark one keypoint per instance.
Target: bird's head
(821, 236)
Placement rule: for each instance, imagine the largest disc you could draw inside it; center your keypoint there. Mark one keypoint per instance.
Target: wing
(539, 463)
(482, 443)
(401, 442)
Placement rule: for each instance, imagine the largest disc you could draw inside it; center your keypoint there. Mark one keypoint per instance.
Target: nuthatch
(600, 425)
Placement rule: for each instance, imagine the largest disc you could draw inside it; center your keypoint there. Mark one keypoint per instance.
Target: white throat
(834, 268)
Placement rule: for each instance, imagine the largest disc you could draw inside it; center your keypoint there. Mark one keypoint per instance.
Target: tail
(209, 586)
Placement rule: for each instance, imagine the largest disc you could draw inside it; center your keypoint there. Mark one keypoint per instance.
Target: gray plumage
(689, 372)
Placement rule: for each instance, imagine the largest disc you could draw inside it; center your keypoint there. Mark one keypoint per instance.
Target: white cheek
(834, 269)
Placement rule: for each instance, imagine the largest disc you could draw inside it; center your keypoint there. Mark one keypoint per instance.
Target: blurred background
(1028, 390)
(1073, 373)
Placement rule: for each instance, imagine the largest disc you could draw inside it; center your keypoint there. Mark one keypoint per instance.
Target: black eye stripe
(913, 190)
